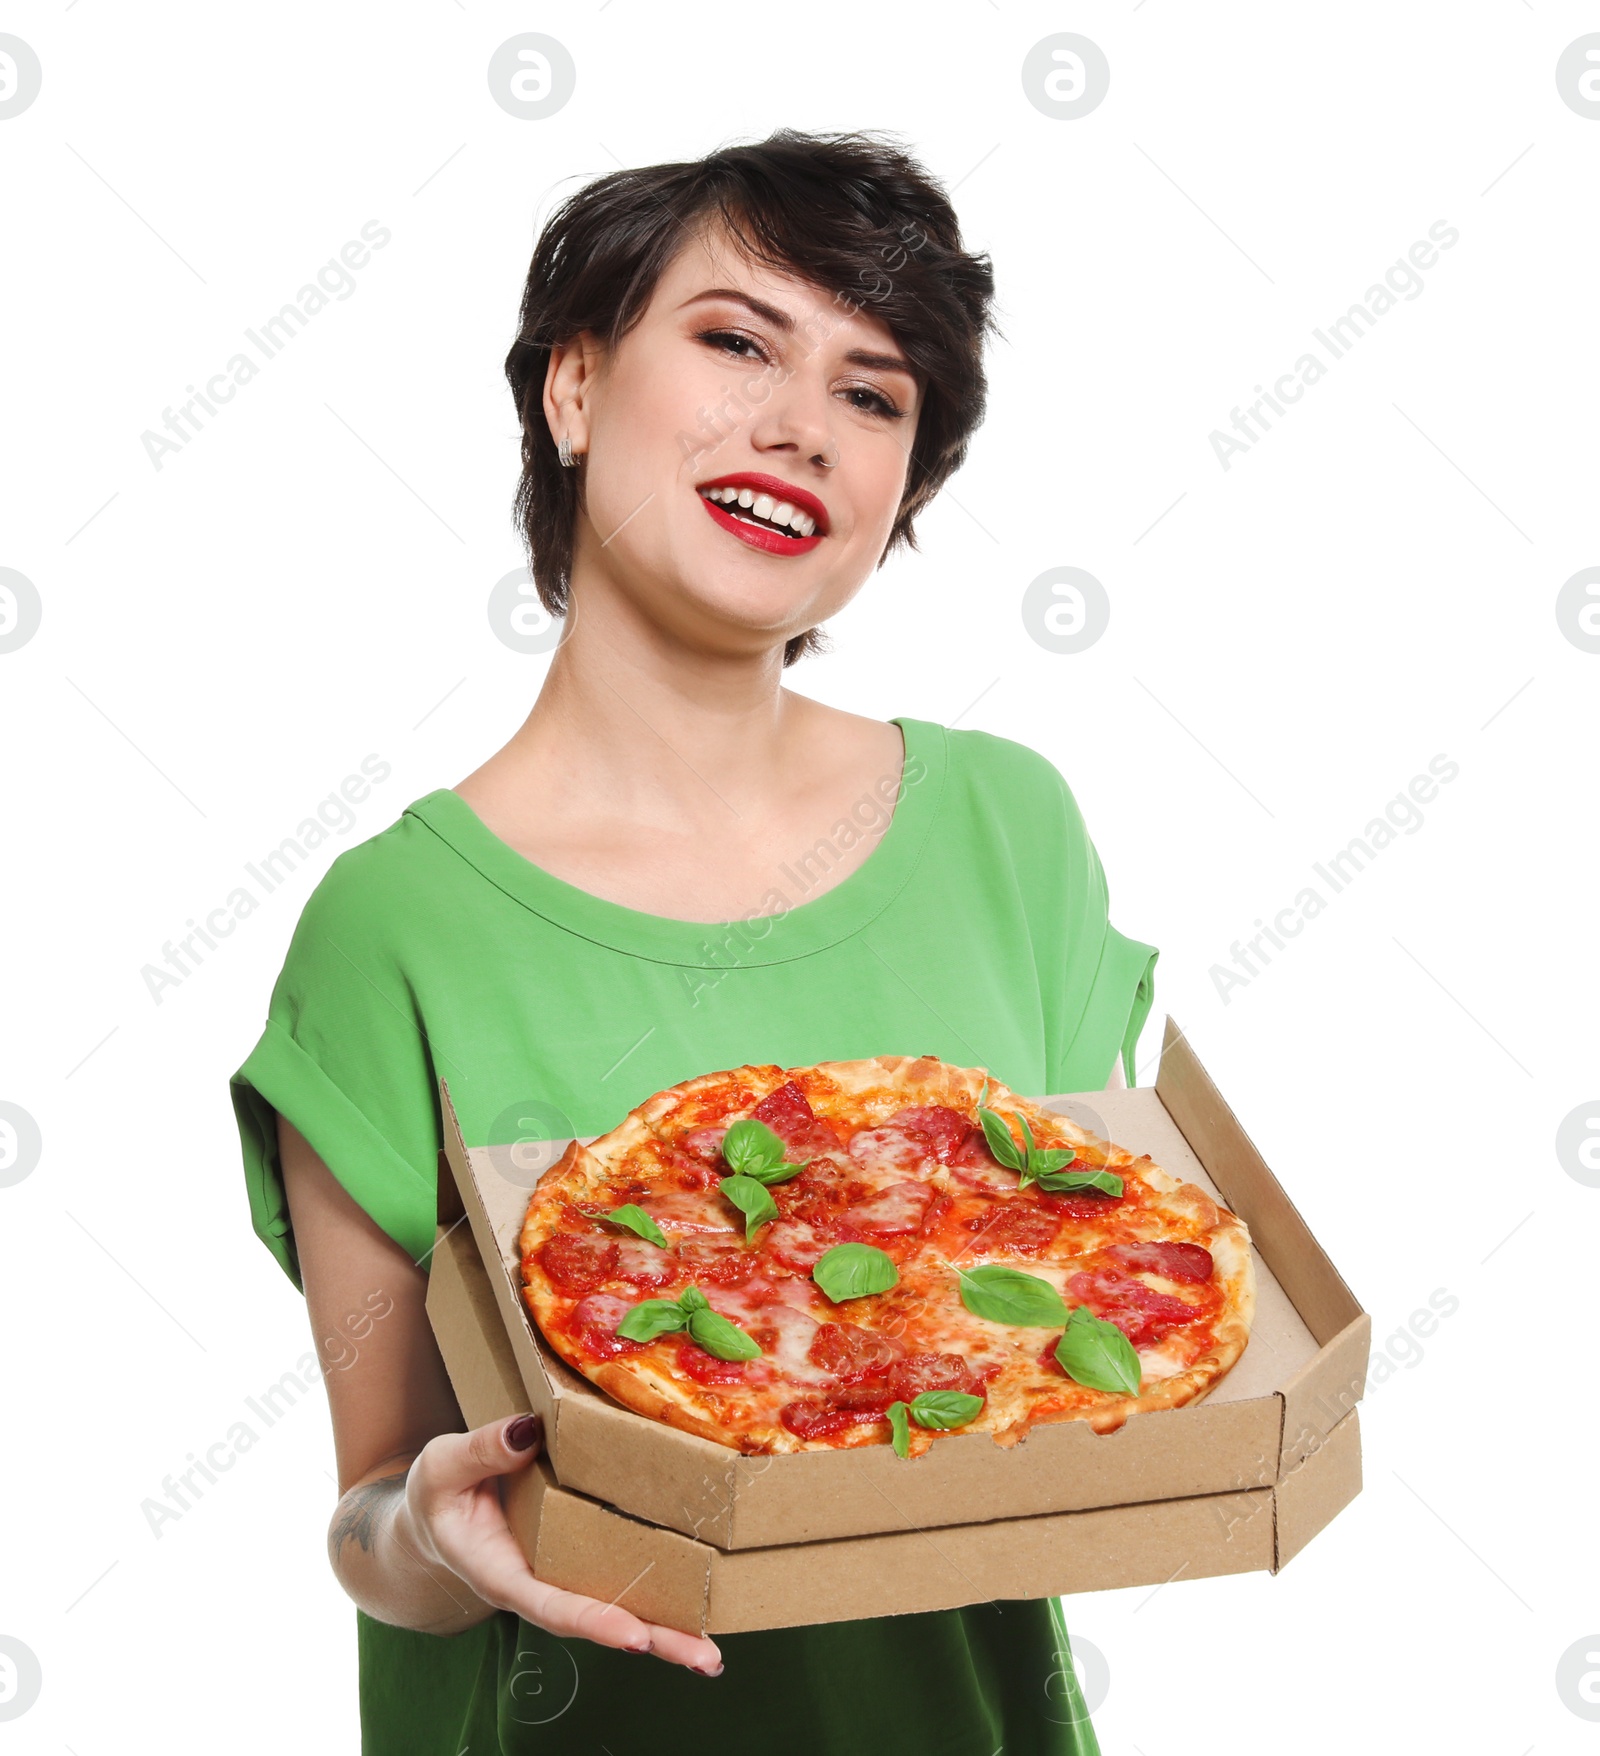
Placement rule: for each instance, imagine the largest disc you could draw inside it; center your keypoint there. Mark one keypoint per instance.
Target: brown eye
(721, 338)
(876, 404)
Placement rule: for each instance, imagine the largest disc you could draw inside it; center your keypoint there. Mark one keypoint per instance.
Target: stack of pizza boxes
(698, 1536)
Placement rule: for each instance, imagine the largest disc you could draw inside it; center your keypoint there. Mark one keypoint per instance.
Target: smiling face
(707, 504)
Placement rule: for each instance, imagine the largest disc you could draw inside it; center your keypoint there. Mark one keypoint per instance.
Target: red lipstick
(771, 541)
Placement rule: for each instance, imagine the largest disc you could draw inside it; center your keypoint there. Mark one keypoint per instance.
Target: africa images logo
(334, 281)
(1402, 280)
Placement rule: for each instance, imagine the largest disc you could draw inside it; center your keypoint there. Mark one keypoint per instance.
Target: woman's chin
(739, 633)
(731, 604)
(740, 619)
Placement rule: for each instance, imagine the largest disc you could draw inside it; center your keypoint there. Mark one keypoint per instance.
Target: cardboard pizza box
(1301, 1374)
(577, 1542)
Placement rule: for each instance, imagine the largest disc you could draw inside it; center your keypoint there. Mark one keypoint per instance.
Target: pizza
(881, 1251)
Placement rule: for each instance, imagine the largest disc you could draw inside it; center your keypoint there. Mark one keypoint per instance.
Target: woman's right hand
(451, 1514)
(406, 1472)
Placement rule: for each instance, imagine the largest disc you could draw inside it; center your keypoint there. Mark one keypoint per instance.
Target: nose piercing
(825, 462)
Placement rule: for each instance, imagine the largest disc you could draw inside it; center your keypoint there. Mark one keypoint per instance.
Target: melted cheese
(705, 1143)
(794, 1244)
(934, 1327)
(898, 1208)
(685, 1213)
(803, 1294)
(1166, 1360)
(639, 1256)
(1187, 1290)
(993, 1177)
(881, 1156)
(796, 1332)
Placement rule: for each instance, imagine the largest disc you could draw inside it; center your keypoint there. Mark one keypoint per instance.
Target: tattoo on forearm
(357, 1513)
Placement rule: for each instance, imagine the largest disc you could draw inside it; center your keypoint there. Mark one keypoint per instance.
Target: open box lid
(1304, 1370)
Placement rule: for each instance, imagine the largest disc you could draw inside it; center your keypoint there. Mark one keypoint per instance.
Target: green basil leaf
(637, 1220)
(750, 1144)
(1098, 1354)
(1007, 1295)
(1047, 1159)
(650, 1318)
(1062, 1182)
(944, 1409)
(770, 1174)
(720, 1336)
(1027, 1170)
(1027, 1132)
(692, 1299)
(900, 1429)
(1001, 1144)
(851, 1271)
(752, 1200)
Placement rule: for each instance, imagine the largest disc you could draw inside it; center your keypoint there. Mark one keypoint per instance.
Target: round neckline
(775, 936)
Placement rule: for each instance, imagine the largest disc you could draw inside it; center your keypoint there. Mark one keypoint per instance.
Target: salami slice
(897, 1211)
(787, 1113)
(1173, 1261)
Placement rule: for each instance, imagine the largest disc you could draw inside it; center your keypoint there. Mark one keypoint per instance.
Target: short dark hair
(851, 213)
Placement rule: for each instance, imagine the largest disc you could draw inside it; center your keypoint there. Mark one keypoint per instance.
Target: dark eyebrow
(781, 320)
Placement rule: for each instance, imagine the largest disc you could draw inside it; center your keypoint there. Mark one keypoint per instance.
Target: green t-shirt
(976, 930)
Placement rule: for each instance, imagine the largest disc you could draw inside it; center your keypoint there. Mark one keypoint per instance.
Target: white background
(1291, 640)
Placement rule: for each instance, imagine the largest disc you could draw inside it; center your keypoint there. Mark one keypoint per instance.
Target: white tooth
(762, 505)
(747, 496)
(728, 495)
(802, 524)
(782, 513)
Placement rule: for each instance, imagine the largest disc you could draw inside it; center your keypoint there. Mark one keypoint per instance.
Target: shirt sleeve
(344, 1056)
(1112, 995)
(1120, 1000)
(1105, 979)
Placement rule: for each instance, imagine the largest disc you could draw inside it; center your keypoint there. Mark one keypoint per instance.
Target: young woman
(675, 865)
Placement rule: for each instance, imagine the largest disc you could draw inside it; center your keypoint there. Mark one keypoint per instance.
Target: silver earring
(564, 452)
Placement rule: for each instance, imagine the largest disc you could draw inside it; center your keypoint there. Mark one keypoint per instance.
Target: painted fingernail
(700, 1672)
(647, 1647)
(524, 1432)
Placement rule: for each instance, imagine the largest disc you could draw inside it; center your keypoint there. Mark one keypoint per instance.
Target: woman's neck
(664, 730)
(671, 778)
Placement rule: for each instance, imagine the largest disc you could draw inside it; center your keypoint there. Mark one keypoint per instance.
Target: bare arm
(388, 1394)
(419, 1538)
